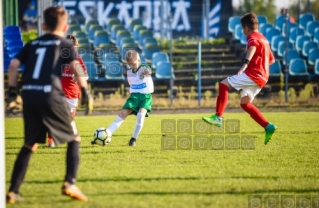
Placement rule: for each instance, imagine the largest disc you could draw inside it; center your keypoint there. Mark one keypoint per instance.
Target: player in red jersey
(70, 86)
(250, 79)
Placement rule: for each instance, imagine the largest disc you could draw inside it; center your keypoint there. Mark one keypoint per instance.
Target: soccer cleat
(73, 191)
(12, 197)
(269, 131)
(50, 142)
(214, 120)
(132, 142)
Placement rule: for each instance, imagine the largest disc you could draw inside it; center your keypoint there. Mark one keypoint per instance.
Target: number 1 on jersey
(38, 64)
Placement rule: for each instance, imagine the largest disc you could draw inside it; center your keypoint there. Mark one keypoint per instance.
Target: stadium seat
(271, 32)
(262, 19)
(298, 70)
(95, 73)
(243, 39)
(120, 35)
(124, 48)
(111, 22)
(263, 27)
(127, 41)
(313, 56)
(292, 54)
(92, 30)
(311, 26)
(88, 24)
(83, 41)
(238, 32)
(136, 32)
(9, 30)
(133, 23)
(111, 56)
(142, 35)
(164, 70)
(149, 40)
(232, 22)
(282, 48)
(307, 46)
(275, 42)
(304, 19)
(100, 37)
(300, 40)
(149, 50)
(114, 71)
(290, 26)
(275, 69)
(294, 32)
(316, 69)
(316, 35)
(74, 29)
(80, 35)
(280, 20)
(114, 30)
(157, 57)
(13, 38)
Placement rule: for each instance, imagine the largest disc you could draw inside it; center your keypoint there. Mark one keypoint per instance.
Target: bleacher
(303, 46)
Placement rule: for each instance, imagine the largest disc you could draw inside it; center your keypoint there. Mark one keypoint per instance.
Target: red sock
(222, 99)
(255, 114)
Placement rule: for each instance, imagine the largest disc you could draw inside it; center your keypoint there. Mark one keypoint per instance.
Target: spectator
(30, 16)
(284, 11)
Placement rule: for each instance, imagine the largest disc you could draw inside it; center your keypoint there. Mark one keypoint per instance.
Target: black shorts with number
(42, 118)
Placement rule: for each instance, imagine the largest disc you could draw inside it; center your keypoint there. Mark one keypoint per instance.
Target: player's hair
(53, 17)
(73, 39)
(249, 20)
(131, 55)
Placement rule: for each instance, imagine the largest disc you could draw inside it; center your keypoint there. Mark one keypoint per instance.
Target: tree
(259, 7)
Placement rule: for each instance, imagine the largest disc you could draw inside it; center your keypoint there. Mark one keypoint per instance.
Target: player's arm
(250, 53)
(13, 72)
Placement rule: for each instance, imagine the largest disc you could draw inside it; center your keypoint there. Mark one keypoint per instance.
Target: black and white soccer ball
(100, 137)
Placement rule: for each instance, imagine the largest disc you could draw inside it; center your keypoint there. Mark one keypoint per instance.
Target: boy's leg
(138, 126)
(19, 171)
(118, 121)
(221, 103)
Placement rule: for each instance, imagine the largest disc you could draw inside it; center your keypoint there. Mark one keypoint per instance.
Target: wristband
(84, 92)
(246, 61)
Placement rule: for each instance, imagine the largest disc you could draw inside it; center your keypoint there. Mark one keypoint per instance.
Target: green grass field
(147, 176)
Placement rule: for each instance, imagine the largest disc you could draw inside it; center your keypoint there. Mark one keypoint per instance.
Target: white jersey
(140, 83)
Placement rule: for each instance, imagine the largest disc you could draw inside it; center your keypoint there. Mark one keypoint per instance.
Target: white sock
(139, 124)
(115, 125)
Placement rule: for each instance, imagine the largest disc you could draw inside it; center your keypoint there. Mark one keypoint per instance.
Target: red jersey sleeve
(82, 64)
(271, 58)
(252, 42)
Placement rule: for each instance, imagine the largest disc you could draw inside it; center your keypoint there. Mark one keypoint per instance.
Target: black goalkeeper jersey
(44, 60)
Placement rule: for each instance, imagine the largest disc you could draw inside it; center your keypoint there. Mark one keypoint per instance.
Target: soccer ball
(100, 137)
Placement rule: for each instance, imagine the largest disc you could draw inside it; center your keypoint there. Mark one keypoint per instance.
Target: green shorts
(136, 101)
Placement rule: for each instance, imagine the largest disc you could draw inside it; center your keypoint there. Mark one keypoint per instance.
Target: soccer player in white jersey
(140, 101)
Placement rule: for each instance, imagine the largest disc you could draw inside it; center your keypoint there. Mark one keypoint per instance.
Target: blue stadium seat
(292, 54)
(290, 26)
(129, 41)
(136, 31)
(282, 48)
(313, 56)
(114, 71)
(275, 69)
(149, 50)
(280, 20)
(133, 23)
(94, 72)
(316, 69)
(294, 32)
(232, 22)
(264, 26)
(316, 35)
(157, 57)
(298, 70)
(142, 35)
(311, 26)
(238, 32)
(114, 30)
(13, 38)
(74, 29)
(9, 30)
(149, 40)
(100, 38)
(92, 30)
(111, 56)
(243, 39)
(88, 24)
(271, 32)
(163, 70)
(120, 35)
(304, 19)
(300, 40)
(81, 35)
(83, 41)
(110, 23)
(307, 46)
(262, 19)
(275, 42)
